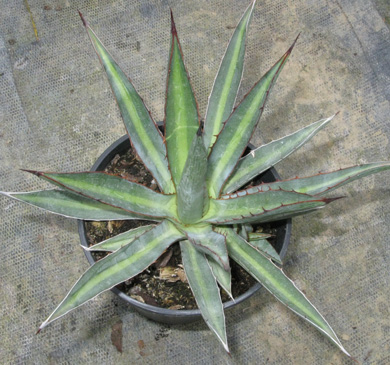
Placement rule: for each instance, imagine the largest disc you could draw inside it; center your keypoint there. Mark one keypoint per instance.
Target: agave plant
(200, 169)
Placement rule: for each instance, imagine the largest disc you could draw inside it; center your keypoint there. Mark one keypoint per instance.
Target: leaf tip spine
(36, 173)
(173, 26)
(330, 200)
(351, 357)
(43, 325)
(6, 194)
(83, 19)
(293, 45)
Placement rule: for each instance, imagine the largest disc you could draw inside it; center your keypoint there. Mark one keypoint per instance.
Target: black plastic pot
(180, 316)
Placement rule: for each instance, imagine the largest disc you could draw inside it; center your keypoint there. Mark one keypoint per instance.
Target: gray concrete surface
(57, 113)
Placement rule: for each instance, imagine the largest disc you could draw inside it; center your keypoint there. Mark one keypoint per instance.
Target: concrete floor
(58, 114)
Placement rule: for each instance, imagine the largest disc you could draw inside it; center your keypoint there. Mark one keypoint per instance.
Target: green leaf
(181, 113)
(209, 242)
(143, 132)
(266, 156)
(277, 283)
(72, 205)
(115, 243)
(243, 230)
(322, 184)
(117, 267)
(205, 290)
(227, 82)
(191, 191)
(262, 245)
(263, 206)
(115, 191)
(238, 130)
(255, 236)
(224, 277)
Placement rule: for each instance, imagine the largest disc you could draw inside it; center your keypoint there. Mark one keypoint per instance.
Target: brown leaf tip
(36, 173)
(173, 26)
(330, 200)
(293, 45)
(83, 19)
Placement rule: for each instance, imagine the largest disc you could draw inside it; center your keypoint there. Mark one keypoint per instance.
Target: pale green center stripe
(125, 98)
(271, 279)
(121, 195)
(180, 89)
(113, 270)
(234, 143)
(226, 89)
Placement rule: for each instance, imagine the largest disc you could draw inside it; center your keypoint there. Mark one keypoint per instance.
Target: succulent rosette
(201, 171)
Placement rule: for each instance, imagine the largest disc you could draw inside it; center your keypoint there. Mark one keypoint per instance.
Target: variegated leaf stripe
(209, 242)
(227, 82)
(323, 183)
(205, 289)
(143, 132)
(258, 236)
(192, 197)
(117, 267)
(260, 207)
(115, 243)
(264, 247)
(72, 205)
(266, 156)
(181, 113)
(224, 277)
(115, 191)
(246, 229)
(238, 130)
(277, 283)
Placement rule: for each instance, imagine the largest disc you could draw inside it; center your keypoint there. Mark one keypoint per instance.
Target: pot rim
(119, 146)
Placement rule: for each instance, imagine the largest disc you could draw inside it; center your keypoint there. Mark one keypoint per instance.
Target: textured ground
(57, 113)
